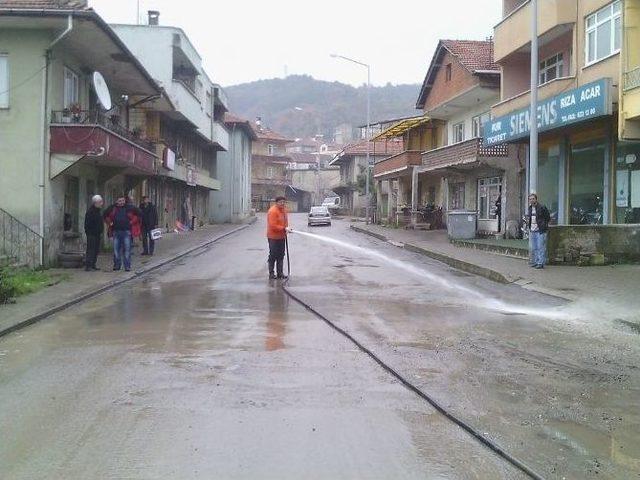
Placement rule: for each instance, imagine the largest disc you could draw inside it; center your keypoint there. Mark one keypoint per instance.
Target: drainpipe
(45, 127)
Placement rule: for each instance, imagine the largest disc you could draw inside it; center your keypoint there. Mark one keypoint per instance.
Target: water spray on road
(479, 298)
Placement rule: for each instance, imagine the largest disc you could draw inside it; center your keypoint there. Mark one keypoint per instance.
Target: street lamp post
(368, 135)
(533, 115)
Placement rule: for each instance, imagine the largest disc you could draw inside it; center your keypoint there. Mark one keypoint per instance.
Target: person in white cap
(93, 229)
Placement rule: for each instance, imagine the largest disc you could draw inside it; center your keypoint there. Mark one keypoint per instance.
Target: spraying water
(478, 297)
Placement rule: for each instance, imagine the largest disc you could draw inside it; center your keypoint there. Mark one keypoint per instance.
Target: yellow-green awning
(402, 127)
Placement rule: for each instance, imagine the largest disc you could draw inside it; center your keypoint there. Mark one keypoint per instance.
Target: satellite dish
(102, 91)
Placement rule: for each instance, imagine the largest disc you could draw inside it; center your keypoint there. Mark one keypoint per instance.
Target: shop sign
(578, 105)
(192, 180)
(169, 159)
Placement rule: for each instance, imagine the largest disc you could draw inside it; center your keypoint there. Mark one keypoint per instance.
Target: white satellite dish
(102, 91)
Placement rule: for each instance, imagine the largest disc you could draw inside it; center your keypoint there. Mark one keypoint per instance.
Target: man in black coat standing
(93, 228)
(149, 222)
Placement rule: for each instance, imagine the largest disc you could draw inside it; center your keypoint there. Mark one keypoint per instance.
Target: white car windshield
(316, 210)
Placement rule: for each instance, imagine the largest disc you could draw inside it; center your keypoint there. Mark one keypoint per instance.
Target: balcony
(555, 87)
(513, 33)
(397, 165)
(220, 136)
(92, 134)
(463, 153)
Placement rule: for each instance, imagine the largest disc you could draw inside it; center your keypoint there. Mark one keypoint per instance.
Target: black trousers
(148, 243)
(276, 255)
(93, 249)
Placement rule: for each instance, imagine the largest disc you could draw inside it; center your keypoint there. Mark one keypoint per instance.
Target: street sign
(578, 105)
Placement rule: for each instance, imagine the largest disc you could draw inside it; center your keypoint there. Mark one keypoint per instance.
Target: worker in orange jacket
(277, 228)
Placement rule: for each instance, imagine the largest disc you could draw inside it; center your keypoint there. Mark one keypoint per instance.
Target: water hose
(478, 436)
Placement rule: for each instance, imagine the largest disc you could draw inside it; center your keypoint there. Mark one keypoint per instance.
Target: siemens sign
(589, 101)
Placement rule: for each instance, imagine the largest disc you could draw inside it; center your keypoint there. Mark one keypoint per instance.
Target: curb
(116, 283)
(446, 259)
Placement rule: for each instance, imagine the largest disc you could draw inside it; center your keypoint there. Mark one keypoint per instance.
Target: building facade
(269, 173)
(589, 157)
(232, 204)
(61, 143)
(190, 135)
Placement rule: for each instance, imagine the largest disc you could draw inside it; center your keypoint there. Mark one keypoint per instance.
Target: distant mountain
(300, 105)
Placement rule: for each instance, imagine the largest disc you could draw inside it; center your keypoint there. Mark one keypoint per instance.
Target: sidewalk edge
(108, 286)
(446, 259)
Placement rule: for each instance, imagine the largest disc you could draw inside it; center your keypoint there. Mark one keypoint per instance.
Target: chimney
(154, 17)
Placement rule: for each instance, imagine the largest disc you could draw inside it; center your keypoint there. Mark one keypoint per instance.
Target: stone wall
(594, 244)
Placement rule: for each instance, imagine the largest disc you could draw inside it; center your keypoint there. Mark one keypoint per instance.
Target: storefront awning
(402, 127)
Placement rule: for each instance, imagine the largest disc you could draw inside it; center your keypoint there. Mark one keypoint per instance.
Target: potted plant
(76, 112)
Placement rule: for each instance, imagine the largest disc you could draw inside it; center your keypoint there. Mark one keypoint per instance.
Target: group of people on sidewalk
(124, 222)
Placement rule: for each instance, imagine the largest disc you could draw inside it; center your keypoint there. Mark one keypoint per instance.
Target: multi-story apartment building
(589, 163)
(269, 162)
(233, 202)
(188, 134)
(352, 161)
(61, 141)
(586, 174)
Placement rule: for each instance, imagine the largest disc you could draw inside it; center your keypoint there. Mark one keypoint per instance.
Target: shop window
(71, 88)
(627, 180)
(603, 30)
(586, 184)
(456, 196)
(458, 132)
(489, 191)
(477, 123)
(551, 68)
(4, 80)
(549, 178)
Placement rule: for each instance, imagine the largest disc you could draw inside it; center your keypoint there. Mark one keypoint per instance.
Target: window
(448, 72)
(71, 88)
(477, 123)
(456, 196)
(458, 132)
(209, 104)
(4, 81)
(271, 149)
(270, 172)
(551, 68)
(603, 29)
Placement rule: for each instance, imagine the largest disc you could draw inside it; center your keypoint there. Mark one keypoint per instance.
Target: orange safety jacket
(277, 223)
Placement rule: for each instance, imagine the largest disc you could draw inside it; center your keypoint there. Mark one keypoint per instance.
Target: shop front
(588, 179)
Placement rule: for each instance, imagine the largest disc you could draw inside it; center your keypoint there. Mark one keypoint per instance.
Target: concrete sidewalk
(80, 285)
(613, 284)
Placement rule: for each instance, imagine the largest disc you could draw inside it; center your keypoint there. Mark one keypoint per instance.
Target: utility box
(461, 224)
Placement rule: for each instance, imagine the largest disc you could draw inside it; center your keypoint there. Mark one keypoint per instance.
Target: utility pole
(368, 134)
(533, 116)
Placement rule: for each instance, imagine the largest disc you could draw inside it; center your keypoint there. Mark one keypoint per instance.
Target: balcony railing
(271, 181)
(397, 162)
(632, 79)
(95, 117)
(468, 151)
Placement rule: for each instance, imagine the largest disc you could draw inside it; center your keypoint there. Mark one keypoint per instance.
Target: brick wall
(443, 90)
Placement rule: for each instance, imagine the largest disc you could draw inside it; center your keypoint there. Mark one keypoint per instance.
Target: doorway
(489, 206)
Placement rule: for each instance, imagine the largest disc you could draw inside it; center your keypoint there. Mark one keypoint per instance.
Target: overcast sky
(245, 40)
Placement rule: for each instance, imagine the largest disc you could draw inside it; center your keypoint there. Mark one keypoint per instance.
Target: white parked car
(319, 216)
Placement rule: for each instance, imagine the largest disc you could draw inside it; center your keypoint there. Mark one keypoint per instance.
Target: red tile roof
(233, 120)
(265, 133)
(45, 4)
(473, 54)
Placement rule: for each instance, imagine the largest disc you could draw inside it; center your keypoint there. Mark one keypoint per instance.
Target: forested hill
(299, 105)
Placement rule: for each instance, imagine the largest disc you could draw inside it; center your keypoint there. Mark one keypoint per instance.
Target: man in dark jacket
(149, 222)
(122, 219)
(538, 220)
(93, 228)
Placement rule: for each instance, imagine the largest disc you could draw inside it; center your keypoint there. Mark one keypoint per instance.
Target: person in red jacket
(277, 228)
(123, 222)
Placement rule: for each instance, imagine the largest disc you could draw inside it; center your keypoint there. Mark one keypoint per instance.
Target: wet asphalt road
(205, 369)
